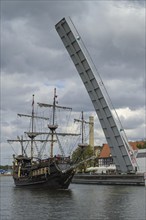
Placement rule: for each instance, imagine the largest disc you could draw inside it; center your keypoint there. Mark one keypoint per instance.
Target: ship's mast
(82, 121)
(32, 127)
(53, 126)
(21, 142)
(30, 134)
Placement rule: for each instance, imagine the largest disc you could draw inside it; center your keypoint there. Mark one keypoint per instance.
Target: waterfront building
(105, 157)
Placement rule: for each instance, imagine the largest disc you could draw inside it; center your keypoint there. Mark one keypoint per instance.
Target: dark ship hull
(56, 175)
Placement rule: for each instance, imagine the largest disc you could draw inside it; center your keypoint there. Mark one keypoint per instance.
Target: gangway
(121, 151)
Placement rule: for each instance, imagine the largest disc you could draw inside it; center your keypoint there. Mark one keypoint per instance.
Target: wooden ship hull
(42, 175)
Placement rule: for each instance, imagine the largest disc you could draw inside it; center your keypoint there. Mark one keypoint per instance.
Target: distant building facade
(141, 160)
(105, 157)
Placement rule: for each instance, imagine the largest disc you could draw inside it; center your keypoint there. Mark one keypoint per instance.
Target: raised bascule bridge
(122, 153)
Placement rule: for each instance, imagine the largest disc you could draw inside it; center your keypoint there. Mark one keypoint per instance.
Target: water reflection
(79, 202)
(41, 203)
(121, 202)
(40, 192)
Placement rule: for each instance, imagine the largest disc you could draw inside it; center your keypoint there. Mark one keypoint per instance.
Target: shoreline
(5, 174)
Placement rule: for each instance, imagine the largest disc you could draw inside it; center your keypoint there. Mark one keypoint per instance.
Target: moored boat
(52, 172)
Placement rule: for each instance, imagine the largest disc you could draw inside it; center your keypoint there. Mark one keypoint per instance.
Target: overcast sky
(34, 60)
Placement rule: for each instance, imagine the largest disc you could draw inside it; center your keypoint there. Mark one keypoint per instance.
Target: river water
(79, 202)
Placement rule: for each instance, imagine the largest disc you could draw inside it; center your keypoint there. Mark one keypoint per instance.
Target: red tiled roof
(134, 144)
(105, 152)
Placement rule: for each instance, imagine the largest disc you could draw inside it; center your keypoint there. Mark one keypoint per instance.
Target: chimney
(91, 131)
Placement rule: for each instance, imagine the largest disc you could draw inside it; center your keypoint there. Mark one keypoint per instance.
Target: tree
(81, 154)
(141, 146)
(5, 167)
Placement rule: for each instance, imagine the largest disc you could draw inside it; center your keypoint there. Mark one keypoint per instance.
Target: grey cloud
(34, 60)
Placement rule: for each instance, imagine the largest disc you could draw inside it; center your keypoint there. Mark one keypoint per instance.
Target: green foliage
(5, 167)
(81, 154)
(141, 146)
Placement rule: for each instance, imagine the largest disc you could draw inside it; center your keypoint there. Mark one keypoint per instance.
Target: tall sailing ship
(55, 171)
